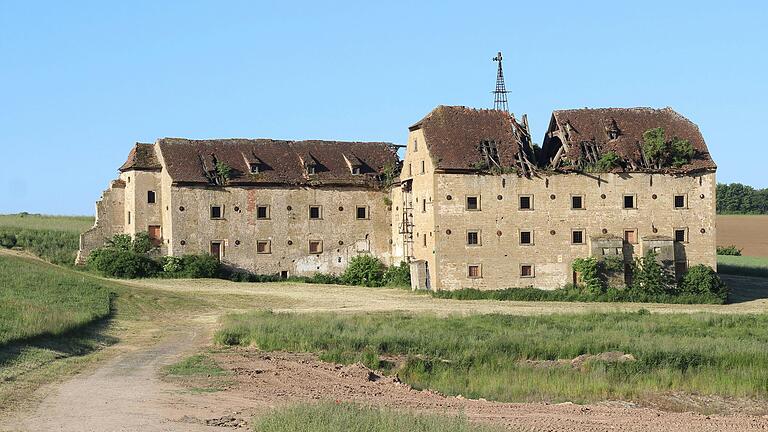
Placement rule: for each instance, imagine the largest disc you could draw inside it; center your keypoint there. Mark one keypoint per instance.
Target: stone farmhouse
(473, 204)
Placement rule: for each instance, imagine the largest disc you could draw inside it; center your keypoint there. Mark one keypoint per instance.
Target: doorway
(217, 249)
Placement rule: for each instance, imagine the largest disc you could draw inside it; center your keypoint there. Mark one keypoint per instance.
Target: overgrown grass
(74, 224)
(484, 356)
(743, 265)
(334, 417)
(38, 300)
(199, 364)
(575, 295)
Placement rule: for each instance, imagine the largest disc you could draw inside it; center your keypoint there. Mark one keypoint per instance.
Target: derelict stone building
(475, 203)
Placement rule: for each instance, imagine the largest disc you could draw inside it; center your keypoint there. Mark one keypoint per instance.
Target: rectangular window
(425, 240)
(315, 246)
(473, 238)
(410, 170)
(681, 235)
(315, 212)
(473, 271)
(473, 203)
(629, 201)
(526, 237)
(361, 212)
(150, 197)
(216, 212)
(526, 270)
(577, 202)
(129, 218)
(680, 201)
(263, 247)
(423, 206)
(526, 202)
(423, 167)
(630, 236)
(262, 212)
(577, 237)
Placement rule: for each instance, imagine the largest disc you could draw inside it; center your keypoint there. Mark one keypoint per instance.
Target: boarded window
(362, 212)
(526, 237)
(473, 271)
(577, 237)
(526, 270)
(680, 235)
(526, 202)
(473, 203)
(315, 246)
(217, 250)
(679, 201)
(155, 234)
(151, 197)
(263, 247)
(577, 202)
(473, 238)
(629, 201)
(630, 236)
(262, 212)
(315, 212)
(216, 212)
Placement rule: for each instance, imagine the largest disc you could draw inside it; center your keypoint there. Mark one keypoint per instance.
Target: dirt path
(126, 393)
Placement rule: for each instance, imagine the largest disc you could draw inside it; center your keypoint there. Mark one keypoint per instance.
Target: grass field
(743, 265)
(333, 417)
(43, 301)
(74, 224)
(500, 357)
(746, 232)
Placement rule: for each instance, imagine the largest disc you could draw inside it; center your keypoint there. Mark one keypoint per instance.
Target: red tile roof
(594, 125)
(281, 162)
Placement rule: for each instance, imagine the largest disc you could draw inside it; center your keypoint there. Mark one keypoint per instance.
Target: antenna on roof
(500, 94)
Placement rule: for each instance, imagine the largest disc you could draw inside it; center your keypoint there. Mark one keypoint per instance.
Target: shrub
(661, 152)
(199, 266)
(398, 276)
(325, 278)
(728, 250)
(649, 277)
(365, 270)
(122, 263)
(171, 264)
(701, 279)
(58, 247)
(607, 162)
(7, 240)
(589, 275)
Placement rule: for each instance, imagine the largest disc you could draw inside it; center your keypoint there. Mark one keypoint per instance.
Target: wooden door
(155, 234)
(216, 250)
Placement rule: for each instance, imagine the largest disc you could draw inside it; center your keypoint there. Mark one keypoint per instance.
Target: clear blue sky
(80, 82)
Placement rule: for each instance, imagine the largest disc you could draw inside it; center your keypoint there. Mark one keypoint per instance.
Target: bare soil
(127, 391)
(747, 232)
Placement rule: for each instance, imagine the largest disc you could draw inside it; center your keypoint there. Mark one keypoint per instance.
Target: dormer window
(254, 168)
(356, 171)
(255, 165)
(311, 169)
(613, 130)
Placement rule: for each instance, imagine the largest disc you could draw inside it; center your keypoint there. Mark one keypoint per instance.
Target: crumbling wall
(109, 220)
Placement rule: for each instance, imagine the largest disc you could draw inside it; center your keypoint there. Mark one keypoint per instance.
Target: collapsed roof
(466, 139)
(142, 157)
(266, 161)
(580, 137)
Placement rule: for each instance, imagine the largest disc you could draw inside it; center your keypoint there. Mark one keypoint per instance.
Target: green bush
(7, 240)
(728, 250)
(663, 153)
(364, 270)
(171, 264)
(122, 263)
(398, 276)
(648, 276)
(701, 279)
(199, 266)
(573, 294)
(587, 268)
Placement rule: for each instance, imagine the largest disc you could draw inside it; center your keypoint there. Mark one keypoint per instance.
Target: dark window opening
(525, 203)
(473, 238)
(526, 270)
(262, 212)
(473, 271)
(315, 246)
(473, 203)
(362, 212)
(679, 201)
(680, 235)
(314, 212)
(526, 237)
(629, 201)
(577, 202)
(577, 237)
(150, 197)
(216, 212)
(263, 247)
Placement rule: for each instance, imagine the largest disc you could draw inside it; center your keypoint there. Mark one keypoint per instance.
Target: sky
(81, 82)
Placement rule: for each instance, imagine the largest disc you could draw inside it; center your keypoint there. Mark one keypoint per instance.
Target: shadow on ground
(745, 288)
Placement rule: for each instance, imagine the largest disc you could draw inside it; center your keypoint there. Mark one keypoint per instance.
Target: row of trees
(736, 198)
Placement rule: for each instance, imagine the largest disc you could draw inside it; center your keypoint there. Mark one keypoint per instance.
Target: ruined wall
(419, 169)
(288, 227)
(552, 220)
(109, 220)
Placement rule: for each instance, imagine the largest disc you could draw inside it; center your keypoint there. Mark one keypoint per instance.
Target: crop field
(74, 224)
(53, 238)
(746, 232)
